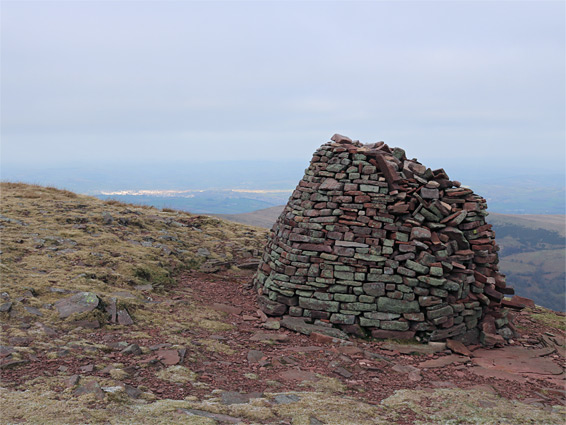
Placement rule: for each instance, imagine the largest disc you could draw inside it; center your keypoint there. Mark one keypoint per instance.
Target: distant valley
(215, 201)
(229, 187)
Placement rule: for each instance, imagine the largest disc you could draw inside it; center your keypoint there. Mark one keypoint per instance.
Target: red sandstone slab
(226, 308)
(522, 300)
(517, 360)
(507, 291)
(305, 349)
(443, 361)
(435, 239)
(492, 293)
(169, 357)
(324, 339)
(481, 241)
(315, 247)
(338, 138)
(497, 374)
(471, 206)
(265, 336)
(512, 304)
(458, 348)
(480, 277)
(390, 174)
(385, 334)
(330, 184)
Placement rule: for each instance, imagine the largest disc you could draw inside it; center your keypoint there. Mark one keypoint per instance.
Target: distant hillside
(533, 256)
(506, 188)
(551, 222)
(533, 251)
(205, 201)
(260, 218)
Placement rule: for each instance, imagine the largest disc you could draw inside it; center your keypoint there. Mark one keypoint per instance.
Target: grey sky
(159, 80)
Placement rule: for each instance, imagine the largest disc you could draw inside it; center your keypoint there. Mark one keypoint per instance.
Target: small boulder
(72, 381)
(458, 348)
(132, 392)
(169, 357)
(124, 318)
(132, 349)
(522, 300)
(254, 356)
(234, 397)
(90, 387)
(5, 307)
(83, 302)
(286, 398)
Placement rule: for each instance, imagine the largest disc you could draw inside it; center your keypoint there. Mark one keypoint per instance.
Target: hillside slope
(53, 240)
(555, 223)
(115, 313)
(260, 218)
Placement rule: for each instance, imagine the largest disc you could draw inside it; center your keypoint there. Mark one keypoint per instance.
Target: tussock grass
(549, 318)
(54, 242)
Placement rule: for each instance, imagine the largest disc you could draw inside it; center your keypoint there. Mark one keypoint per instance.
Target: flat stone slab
(83, 302)
(414, 348)
(215, 416)
(124, 318)
(169, 357)
(298, 375)
(307, 349)
(234, 397)
(225, 308)
(9, 363)
(90, 387)
(266, 336)
(297, 324)
(498, 374)
(254, 356)
(414, 373)
(443, 361)
(458, 348)
(286, 398)
(517, 360)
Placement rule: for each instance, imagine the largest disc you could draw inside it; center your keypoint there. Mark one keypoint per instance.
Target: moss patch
(177, 374)
(549, 318)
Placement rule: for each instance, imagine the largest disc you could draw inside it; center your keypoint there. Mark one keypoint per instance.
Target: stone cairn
(377, 244)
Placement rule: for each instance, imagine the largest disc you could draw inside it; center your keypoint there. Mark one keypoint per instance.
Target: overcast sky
(176, 80)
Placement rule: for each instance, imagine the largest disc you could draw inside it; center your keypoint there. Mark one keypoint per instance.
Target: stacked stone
(375, 243)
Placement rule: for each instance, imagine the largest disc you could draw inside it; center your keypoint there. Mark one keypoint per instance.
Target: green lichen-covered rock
(83, 302)
(390, 305)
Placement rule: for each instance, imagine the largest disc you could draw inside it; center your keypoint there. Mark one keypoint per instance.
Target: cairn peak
(378, 244)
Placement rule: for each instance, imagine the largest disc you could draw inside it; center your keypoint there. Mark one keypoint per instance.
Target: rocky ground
(196, 349)
(238, 366)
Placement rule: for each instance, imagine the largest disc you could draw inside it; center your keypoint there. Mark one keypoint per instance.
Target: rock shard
(378, 244)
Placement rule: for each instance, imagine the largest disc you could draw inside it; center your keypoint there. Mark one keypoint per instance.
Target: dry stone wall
(377, 244)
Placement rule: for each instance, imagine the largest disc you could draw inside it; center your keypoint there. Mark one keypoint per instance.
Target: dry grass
(57, 240)
(549, 318)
